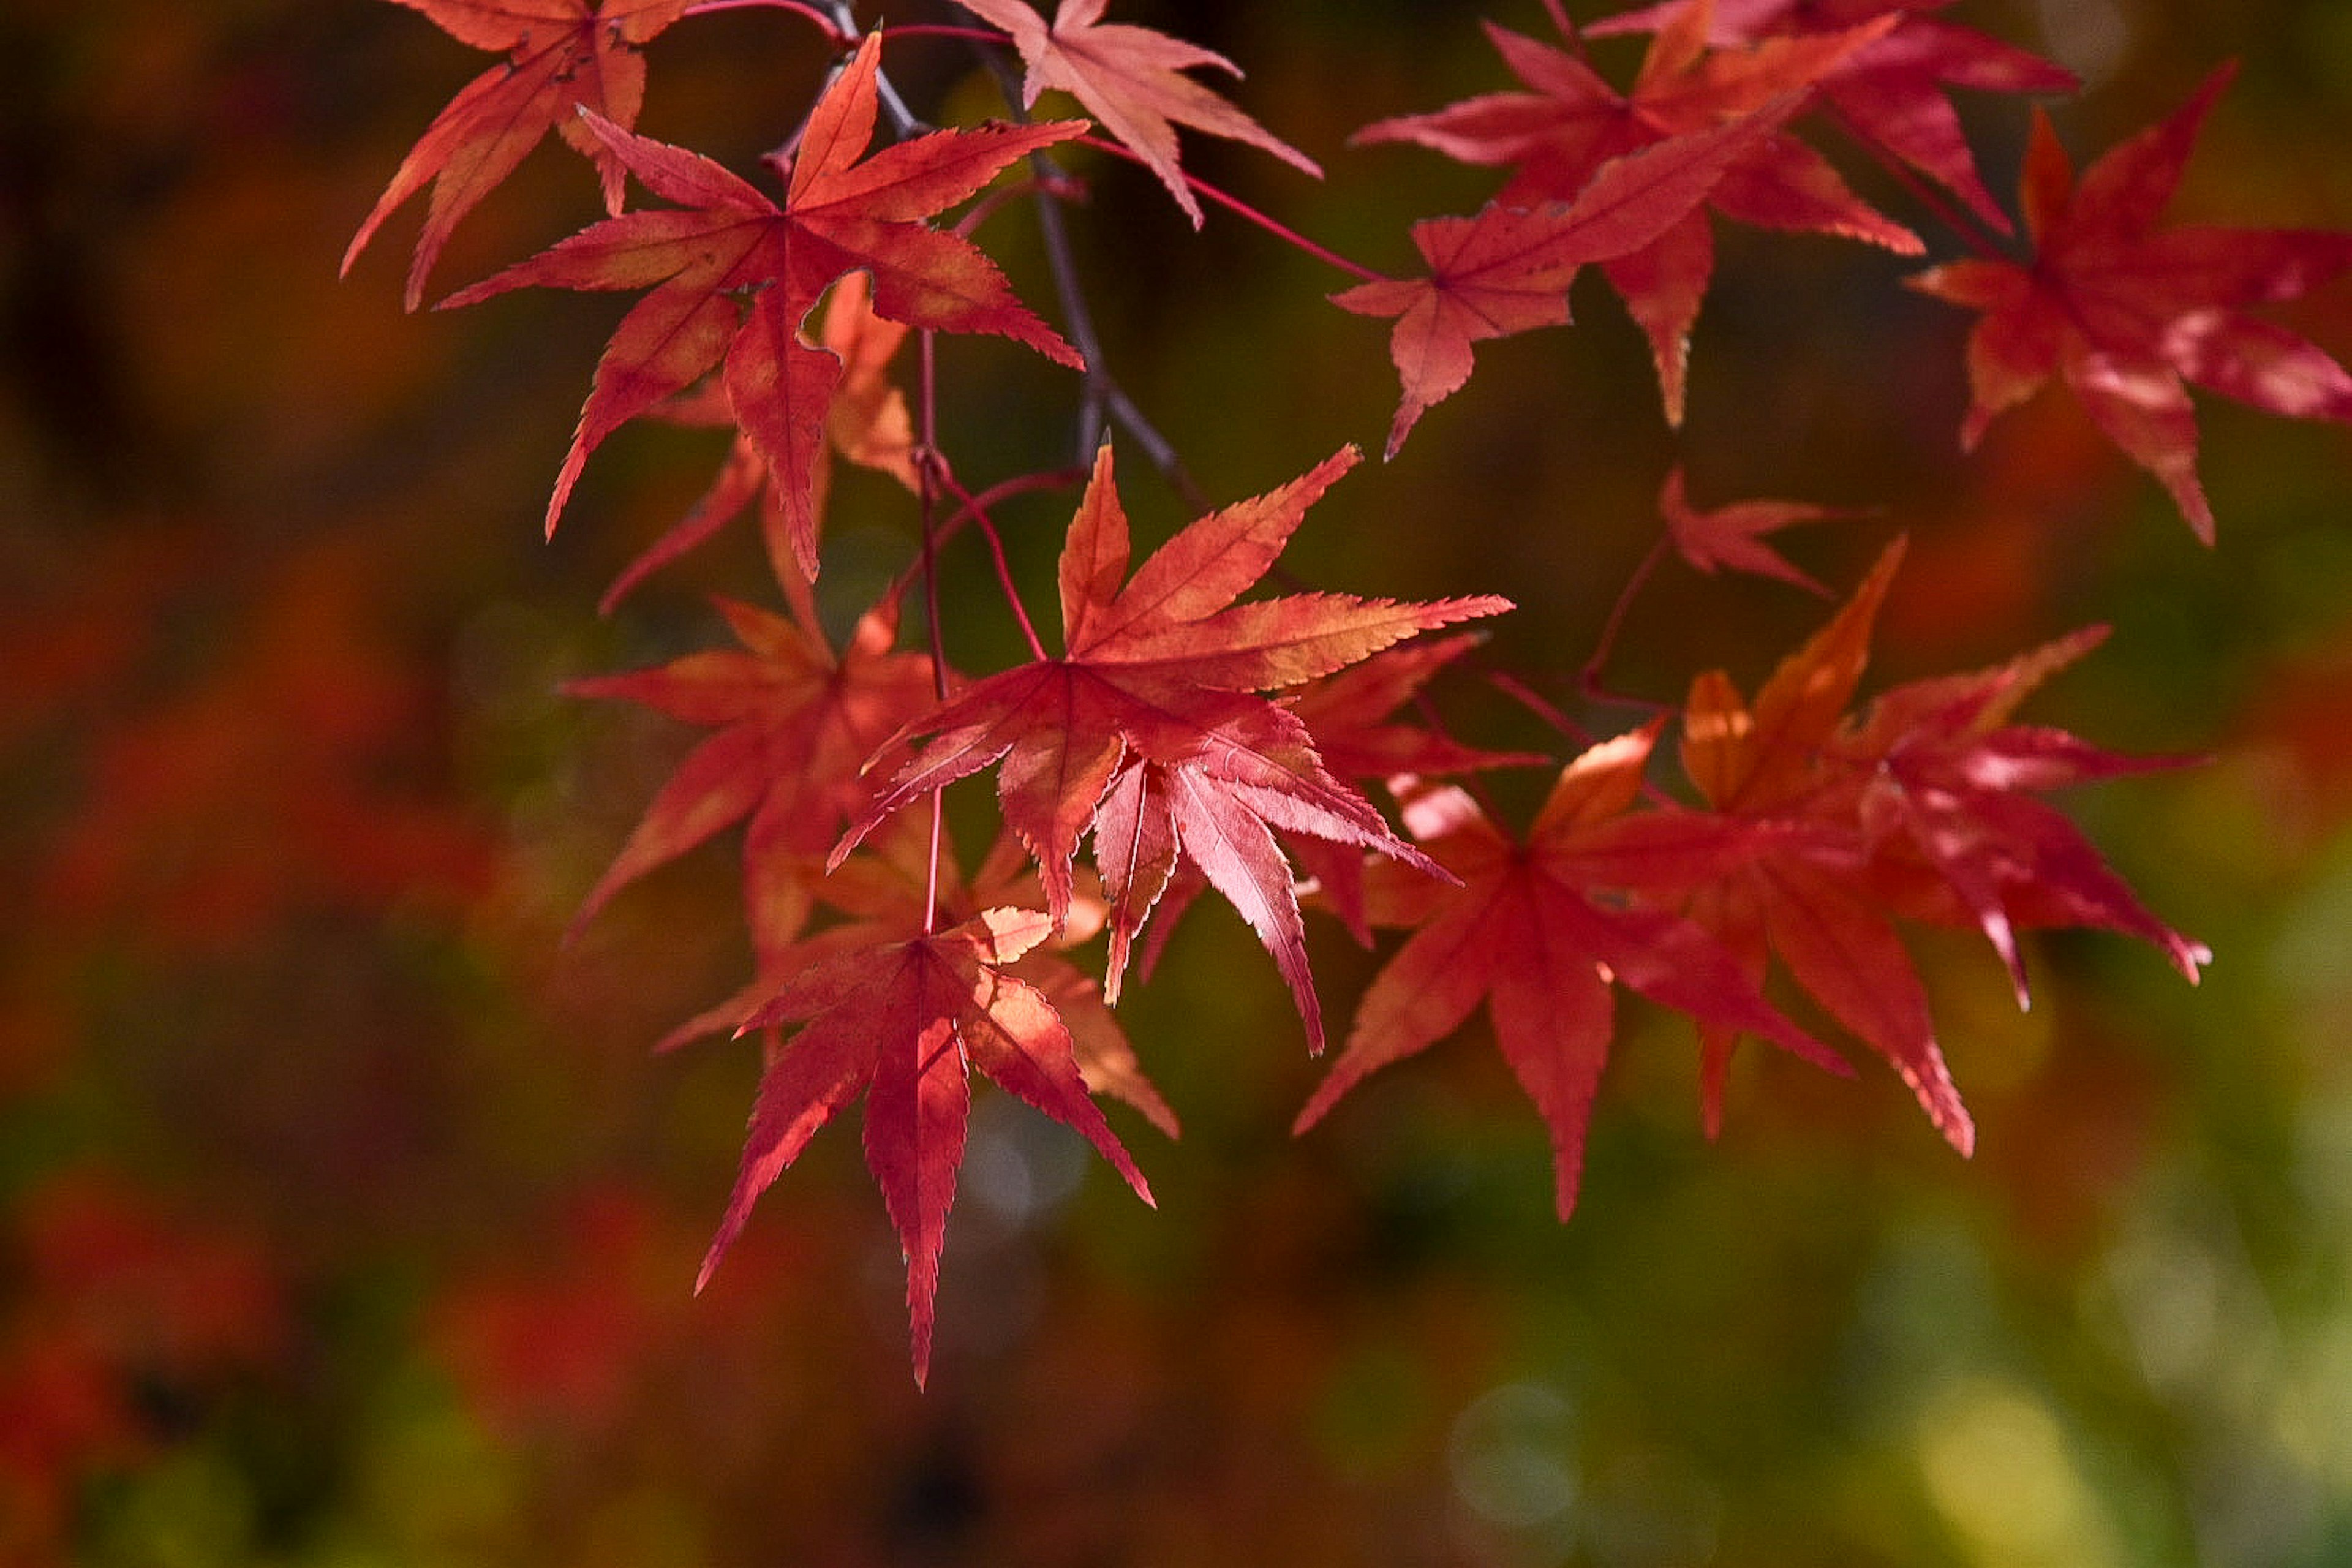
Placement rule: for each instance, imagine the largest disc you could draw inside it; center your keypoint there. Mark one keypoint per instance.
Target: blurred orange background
(345, 1219)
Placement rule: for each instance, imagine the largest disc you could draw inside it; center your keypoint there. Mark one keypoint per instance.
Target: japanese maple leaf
(868, 425)
(1948, 774)
(1223, 830)
(1530, 932)
(1144, 820)
(1889, 92)
(1351, 713)
(1559, 136)
(1160, 669)
(904, 1022)
(1507, 269)
(1917, 810)
(794, 721)
(726, 241)
(1804, 896)
(2127, 314)
(1131, 80)
(903, 881)
(1731, 537)
(564, 56)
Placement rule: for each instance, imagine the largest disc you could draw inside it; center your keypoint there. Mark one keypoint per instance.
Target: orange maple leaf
(1917, 808)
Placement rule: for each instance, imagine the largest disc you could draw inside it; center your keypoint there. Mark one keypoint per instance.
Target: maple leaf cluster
(1189, 738)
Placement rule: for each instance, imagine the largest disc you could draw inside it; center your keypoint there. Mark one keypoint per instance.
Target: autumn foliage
(1748, 862)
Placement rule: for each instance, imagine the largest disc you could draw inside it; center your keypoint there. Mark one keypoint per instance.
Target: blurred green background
(344, 1219)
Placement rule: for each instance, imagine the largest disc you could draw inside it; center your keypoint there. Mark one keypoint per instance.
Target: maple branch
(1971, 234)
(1101, 392)
(1273, 226)
(904, 121)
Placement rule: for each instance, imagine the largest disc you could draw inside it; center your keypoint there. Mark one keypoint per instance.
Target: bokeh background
(345, 1219)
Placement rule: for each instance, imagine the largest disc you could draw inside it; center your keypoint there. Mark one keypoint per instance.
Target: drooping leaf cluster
(1188, 737)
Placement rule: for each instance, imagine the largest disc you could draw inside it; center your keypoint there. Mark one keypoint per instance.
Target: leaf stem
(1542, 707)
(975, 507)
(1587, 680)
(1971, 233)
(1535, 702)
(937, 30)
(926, 468)
(979, 514)
(815, 14)
(1273, 226)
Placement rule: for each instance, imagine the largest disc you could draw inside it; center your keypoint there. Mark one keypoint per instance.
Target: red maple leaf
(1948, 774)
(1129, 78)
(1731, 537)
(1916, 809)
(1348, 713)
(2127, 314)
(1557, 137)
(1160, 669)
(1531, 932)
(1889, 92)
(868, 425)
(1351, 714)
(1803, 895)
(564, 56)
(794, 723)
(1508, 270)
(905, 1022)
(726, 241)
(901, 882)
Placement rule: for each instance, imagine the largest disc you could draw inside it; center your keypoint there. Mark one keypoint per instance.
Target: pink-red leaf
(1160, 669)
(2128, 316)
(566, 56)
(906, 1022)
(1531, 932)
(1731, 537)
(1507, 269)
(728, 241)
(1131, 80)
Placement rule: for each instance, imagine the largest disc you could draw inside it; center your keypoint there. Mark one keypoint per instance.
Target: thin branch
(976, 507)
(941, 30)
(1102, 398)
